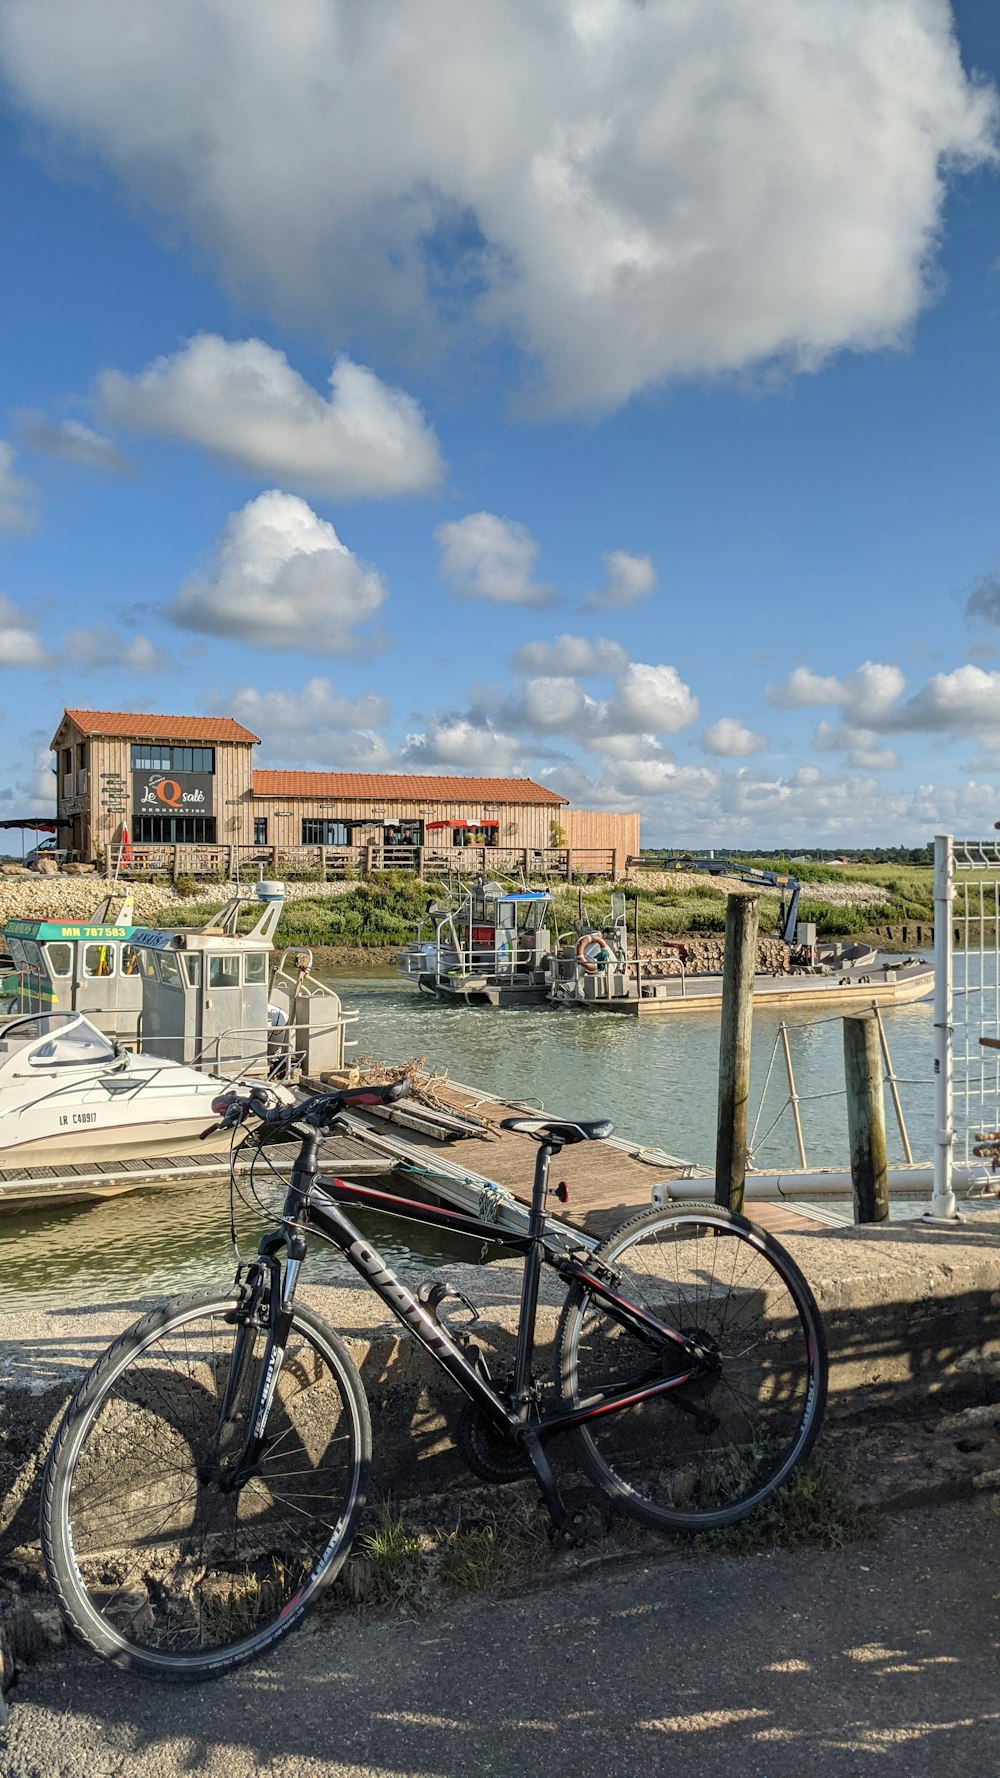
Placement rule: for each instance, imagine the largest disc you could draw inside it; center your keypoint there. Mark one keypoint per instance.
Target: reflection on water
(156, 1243)
(656, 1079)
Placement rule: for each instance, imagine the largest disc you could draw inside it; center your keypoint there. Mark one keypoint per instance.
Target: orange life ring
(587, 963)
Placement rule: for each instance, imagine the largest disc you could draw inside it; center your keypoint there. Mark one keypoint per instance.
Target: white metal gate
(966, 1005)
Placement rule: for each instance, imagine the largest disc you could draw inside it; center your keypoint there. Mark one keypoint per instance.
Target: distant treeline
(785, 860)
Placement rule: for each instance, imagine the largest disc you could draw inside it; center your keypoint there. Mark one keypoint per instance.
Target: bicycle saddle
(546, 1129)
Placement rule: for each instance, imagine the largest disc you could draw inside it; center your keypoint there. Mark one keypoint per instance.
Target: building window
(175, 830)
(324, 833)
(81, 755)
(151, 756)
(260, 830)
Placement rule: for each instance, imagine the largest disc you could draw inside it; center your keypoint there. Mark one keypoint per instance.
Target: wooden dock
(84, 1182)
(608, 1182)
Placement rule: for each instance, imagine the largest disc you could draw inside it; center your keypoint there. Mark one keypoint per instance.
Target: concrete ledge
(911, 1314)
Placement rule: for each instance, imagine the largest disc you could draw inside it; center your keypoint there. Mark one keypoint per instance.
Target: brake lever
(213, 1130)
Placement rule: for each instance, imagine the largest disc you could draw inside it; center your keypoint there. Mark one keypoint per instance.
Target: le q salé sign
(172, 793)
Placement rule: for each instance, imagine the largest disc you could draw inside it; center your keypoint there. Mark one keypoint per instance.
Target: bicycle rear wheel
(157, 1564)
(702, 1455)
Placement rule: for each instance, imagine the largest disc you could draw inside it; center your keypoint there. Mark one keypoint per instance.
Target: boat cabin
(75, 967)
(488, 946)
(211, 997)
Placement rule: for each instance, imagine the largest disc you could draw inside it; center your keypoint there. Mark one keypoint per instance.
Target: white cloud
(647, 699)
(653, 698)
(871, 694)
(570, 654)
(454, 740)
(242, 400)
(731, 739)
(874, 759)
(31, 789)
(965, 701)
(628, 578)
(631, 192)
(282, 579)
(860, 745)
(20, 646)
(17, 511)
(103, 647)
(661, 777)
(556, 705)
(71, 440)
(490, 558)
(317, 705)
(803, 688)
(314, 725)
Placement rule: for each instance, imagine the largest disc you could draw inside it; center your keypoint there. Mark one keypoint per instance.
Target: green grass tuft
(816, 1510)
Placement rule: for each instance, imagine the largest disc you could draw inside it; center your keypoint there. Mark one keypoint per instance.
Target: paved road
(883, 1661)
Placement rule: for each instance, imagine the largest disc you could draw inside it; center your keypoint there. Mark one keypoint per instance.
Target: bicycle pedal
(432, 1295)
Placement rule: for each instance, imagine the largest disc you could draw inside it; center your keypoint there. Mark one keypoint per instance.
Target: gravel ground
(32, 897)
(876, 1660)
(836, 894)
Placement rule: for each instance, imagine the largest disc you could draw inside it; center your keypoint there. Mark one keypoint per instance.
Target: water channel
(657, 1080)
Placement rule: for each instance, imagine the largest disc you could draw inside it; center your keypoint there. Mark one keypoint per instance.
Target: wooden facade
(181, 793)
(99, 788)
(590, 829)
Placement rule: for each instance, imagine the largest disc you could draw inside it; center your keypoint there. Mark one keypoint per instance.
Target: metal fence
(966, 1007)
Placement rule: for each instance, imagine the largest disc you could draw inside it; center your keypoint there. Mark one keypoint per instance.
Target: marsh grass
(816, 1510)
(496, 1549)
(392, 1552)
(383, 911)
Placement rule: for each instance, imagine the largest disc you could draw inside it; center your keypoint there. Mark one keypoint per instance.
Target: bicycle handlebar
(233, 1108)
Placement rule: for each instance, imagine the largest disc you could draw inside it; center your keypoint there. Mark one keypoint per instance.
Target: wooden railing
(329, 863)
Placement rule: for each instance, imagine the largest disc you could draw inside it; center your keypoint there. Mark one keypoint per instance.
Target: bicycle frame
(309, 1203)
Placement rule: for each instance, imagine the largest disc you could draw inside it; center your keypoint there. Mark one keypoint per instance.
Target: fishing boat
(88, 966)
(484, 946)
(599, 970)
(67, 1089)
(615, 985)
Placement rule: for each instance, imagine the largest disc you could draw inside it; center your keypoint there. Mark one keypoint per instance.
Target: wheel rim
(171, 1567)
(712, 1450)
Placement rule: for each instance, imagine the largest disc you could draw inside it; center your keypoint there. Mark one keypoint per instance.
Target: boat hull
(673, 996)
(485, 992)
(139, 1141)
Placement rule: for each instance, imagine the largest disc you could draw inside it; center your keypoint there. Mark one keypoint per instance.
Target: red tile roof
(138, 725)
(402, 787)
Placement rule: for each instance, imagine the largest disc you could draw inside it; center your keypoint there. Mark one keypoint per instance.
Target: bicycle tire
(748, 1425)
(155, 1566)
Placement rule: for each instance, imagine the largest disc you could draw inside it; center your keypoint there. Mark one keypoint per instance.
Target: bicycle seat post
(531, 1275)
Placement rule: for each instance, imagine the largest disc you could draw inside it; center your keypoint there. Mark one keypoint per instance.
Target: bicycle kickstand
(563, 1528)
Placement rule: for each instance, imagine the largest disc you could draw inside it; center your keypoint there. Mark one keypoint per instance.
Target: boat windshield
(71, 1047)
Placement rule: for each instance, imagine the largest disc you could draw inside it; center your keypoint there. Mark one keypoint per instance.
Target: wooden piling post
(866, 1118)
(734, 1049)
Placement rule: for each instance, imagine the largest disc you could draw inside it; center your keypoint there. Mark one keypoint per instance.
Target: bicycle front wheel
(703, 1455)
(159, 1562)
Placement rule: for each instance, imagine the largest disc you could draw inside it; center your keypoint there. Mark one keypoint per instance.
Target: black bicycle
(206, 1480)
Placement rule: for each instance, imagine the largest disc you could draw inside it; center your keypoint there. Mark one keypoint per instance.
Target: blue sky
(660, 460)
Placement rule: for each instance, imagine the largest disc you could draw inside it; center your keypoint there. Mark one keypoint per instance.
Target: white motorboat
(67, 1092)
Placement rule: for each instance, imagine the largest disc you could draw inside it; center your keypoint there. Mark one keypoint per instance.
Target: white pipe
(943, 1197)
(904, 1182)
